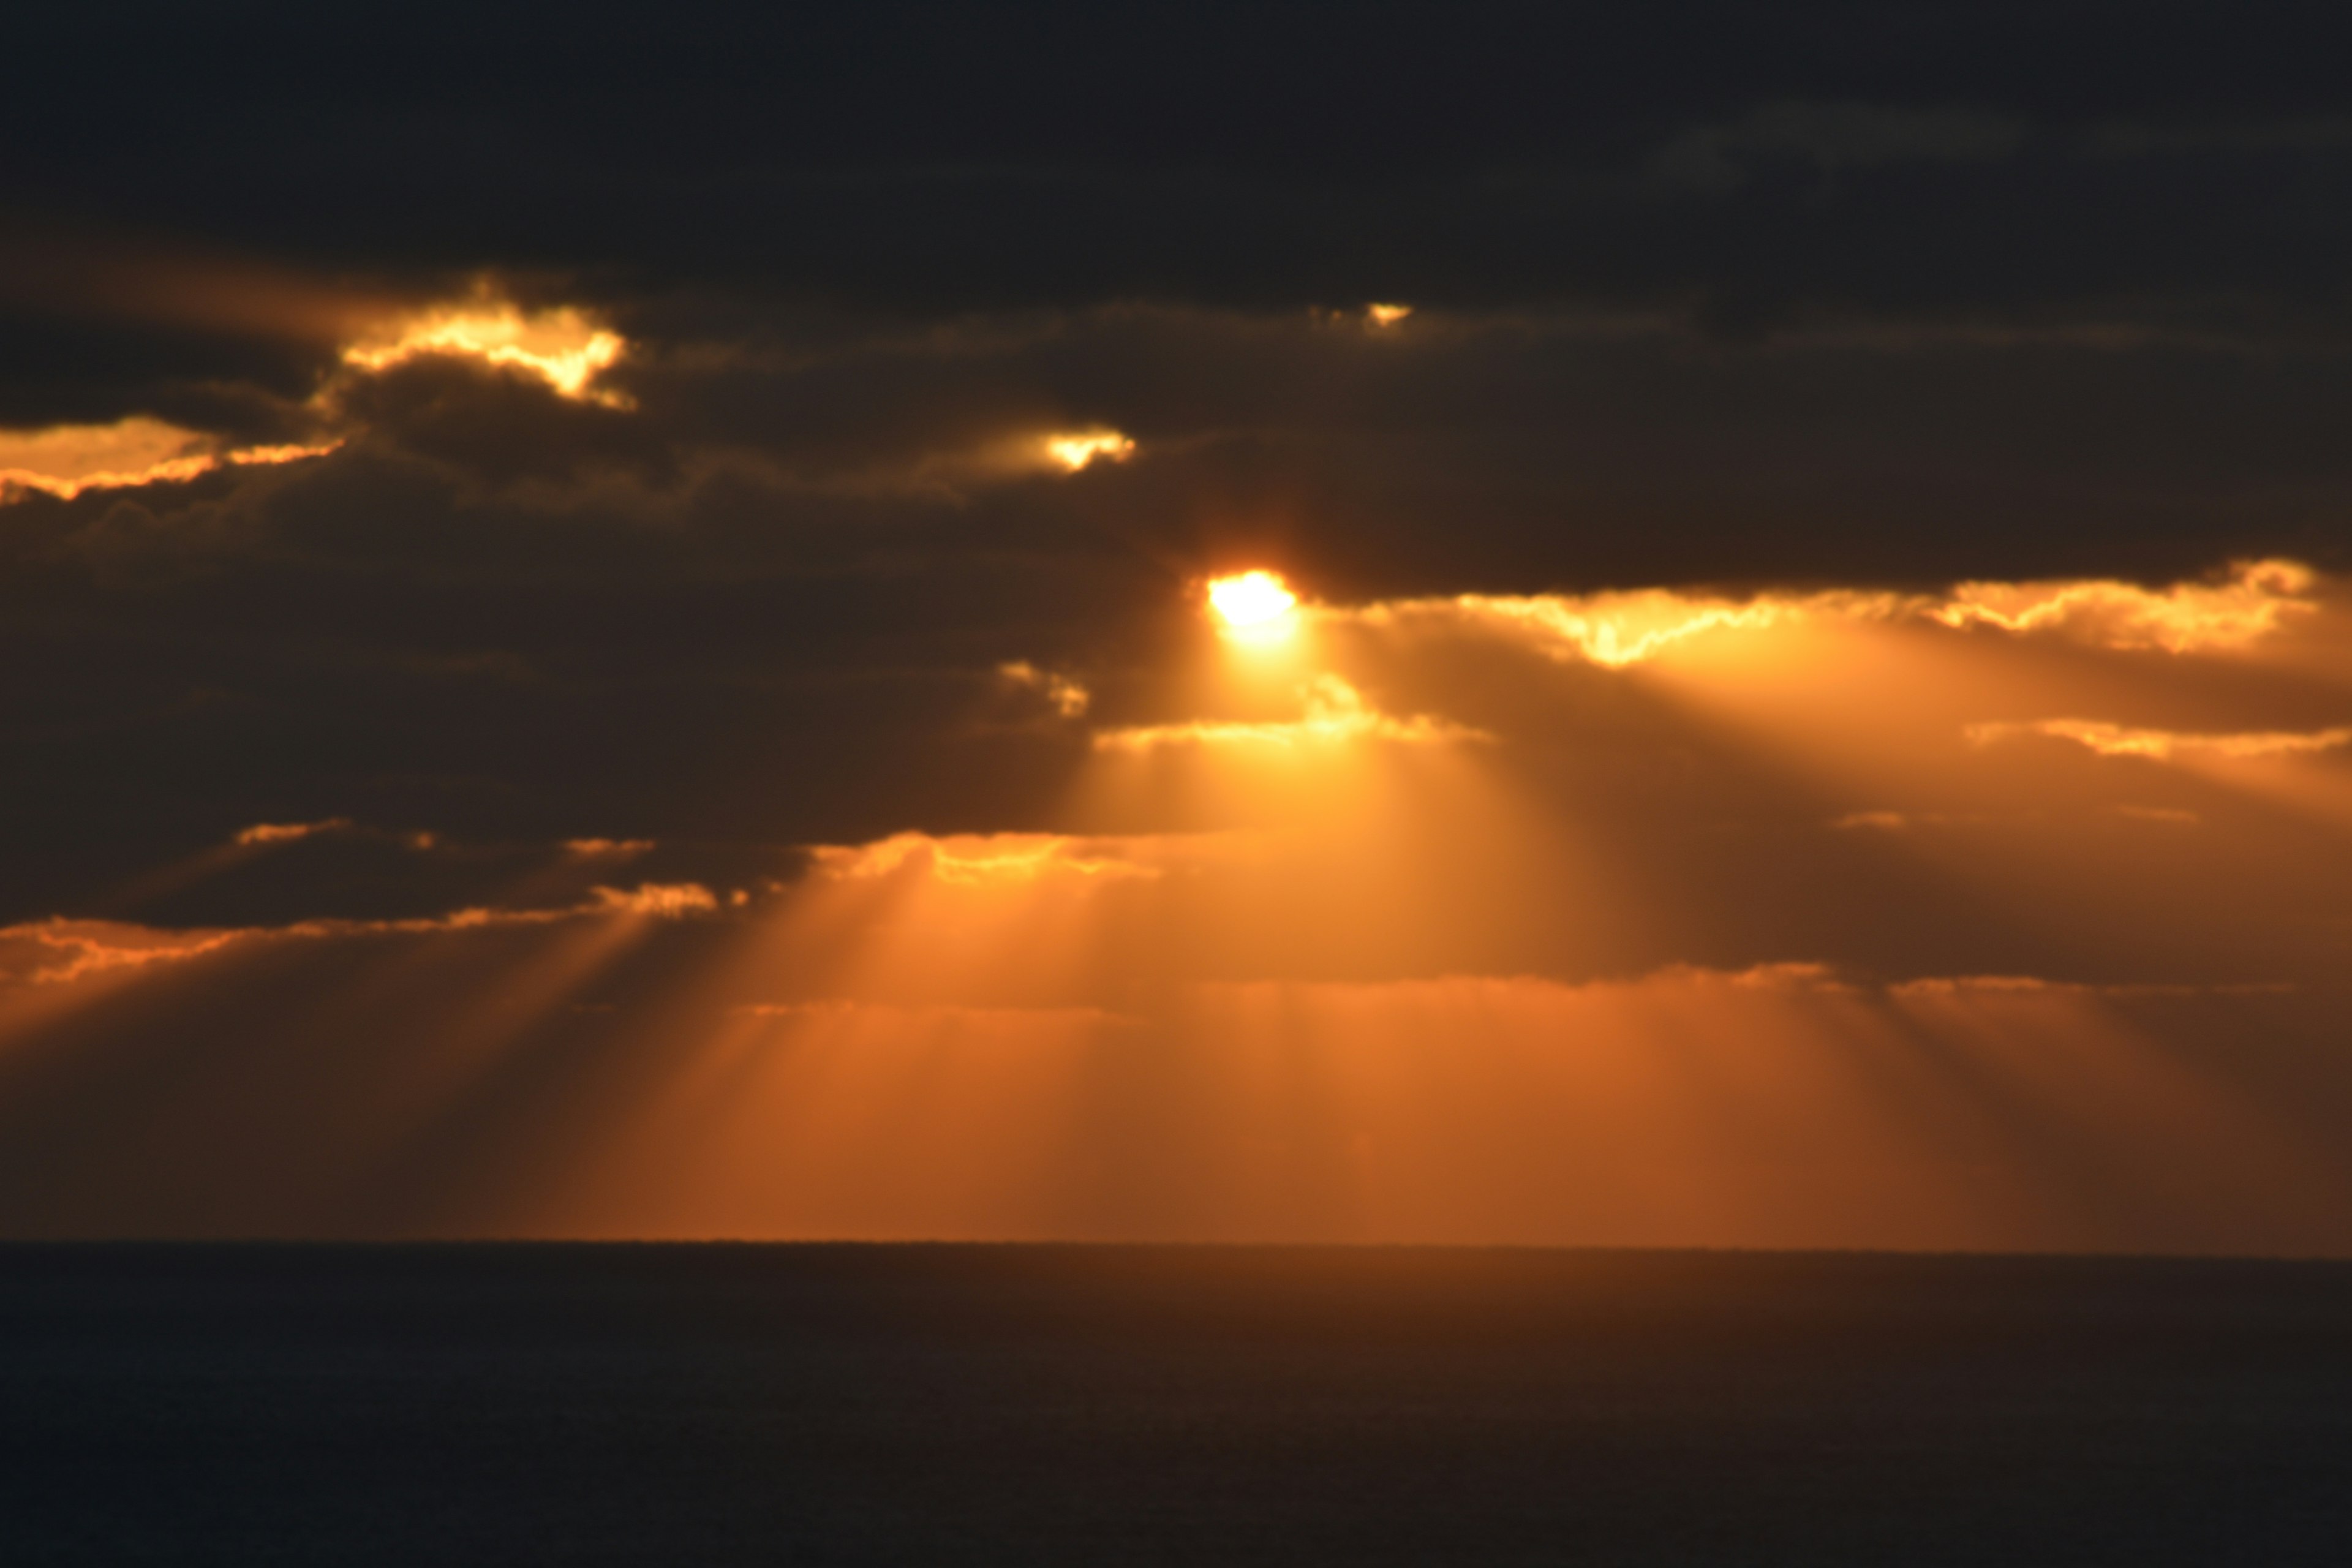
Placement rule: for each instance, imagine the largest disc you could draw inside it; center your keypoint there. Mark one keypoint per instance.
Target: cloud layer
(676, 577)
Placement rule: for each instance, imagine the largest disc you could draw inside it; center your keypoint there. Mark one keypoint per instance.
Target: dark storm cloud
(934, 157)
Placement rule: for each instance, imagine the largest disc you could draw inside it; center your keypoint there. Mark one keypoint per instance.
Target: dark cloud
(776, 587)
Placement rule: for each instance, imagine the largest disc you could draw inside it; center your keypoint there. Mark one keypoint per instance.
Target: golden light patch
(262, 833)
(607, 849)
(1334, 711)
(58, 951)
(665, 900)
(1619, 629)
(62, 951)
(978, 860)
(1386, 315)
(561, 347)
(1615, 630)
(1081, 448)
(2251, 602)
(2163, 745)
(64, 460)
(1254, 604)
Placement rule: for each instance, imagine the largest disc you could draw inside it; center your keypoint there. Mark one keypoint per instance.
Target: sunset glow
(2247, 603)
(263, 833)
(1320, 785)
(562, 346)
(1333, 712)
(2253, 600)
(1254, 604)
(2161, 745)
(65, 460)
(1082, 448)
(1151, 704)
(1394, 982)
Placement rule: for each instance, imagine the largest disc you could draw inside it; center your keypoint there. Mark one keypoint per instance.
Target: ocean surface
(785, 1405)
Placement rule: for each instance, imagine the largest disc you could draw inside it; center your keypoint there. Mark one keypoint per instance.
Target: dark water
(799, 1404)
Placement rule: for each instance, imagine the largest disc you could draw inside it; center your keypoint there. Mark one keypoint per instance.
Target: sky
(1663, 626)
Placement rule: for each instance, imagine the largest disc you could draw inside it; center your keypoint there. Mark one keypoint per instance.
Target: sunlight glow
(1287, 962)
(561, 347)
(1334, 711)
(58, 951)
(1387, 315)
(979, 859)
(1256, 604)
(69, 949)
(2252, 601)
(2161, 745)
(1619, 629)
(1079, 448)
(288, 831)
(665, 900)
(1615, 630)
(64, 460)
(2248, 604)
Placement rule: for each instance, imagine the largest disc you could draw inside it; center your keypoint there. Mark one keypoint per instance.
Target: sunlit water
(677, 1406)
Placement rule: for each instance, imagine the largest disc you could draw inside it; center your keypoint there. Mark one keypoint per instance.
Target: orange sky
(2005, 916)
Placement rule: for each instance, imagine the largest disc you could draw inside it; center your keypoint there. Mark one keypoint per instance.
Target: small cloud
(1953, 988)
(262, 833)
(607, 849)
(62, 951)
(1386, 315)
(1012, 455)
(975, 860)
(58, 951)
(1066, 697)
(1903, 821)
(64, 460)
(2165, 746)
(1781, 976)
(1079, 449)
(561, 347)
(665, 900)
(2165, 814)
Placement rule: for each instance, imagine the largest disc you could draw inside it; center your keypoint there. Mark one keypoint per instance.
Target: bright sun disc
(1252, 601)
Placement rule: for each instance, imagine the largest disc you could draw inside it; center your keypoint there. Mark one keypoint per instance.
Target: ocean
(524, 1403)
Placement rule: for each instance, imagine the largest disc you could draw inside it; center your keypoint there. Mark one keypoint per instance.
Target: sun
(1255, 603)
